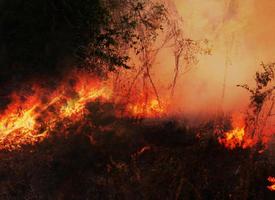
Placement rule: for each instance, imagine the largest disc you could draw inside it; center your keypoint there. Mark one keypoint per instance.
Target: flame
(237, 137)
(19, 123)
(272, 181)
(148, 110)
(30, 120)
(23, 121)
(76, 105)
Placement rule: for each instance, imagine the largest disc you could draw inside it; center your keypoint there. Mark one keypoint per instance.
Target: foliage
(131, 24)
(262, 98)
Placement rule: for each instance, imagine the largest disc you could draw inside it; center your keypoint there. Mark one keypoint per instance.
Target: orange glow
(237, 137)
(272, 182)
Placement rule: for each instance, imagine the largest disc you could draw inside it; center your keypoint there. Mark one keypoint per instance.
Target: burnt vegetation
(103, 156)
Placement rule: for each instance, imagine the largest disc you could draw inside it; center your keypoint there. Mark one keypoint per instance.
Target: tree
(172, 37)
(39, 36)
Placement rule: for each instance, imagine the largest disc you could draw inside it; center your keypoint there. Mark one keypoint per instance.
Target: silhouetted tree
(39, 36)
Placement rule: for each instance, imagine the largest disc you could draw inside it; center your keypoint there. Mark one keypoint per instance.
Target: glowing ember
(272, 181)
(238, 136)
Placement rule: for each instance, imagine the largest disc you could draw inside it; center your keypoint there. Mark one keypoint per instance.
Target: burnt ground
(130, 159)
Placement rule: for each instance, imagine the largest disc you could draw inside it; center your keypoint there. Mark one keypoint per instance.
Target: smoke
(241, 35)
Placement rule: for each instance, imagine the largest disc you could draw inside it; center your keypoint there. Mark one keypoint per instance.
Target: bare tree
(185, 50)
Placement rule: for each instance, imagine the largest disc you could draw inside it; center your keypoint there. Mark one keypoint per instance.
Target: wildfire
(237, 137)
(30, 120)
(272, 181)
(19, 123)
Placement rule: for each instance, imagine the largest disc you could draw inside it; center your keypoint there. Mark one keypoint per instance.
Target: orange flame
(76, 105)
(29, 121)
(272, 182)
(237, 137)
(19, 123)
